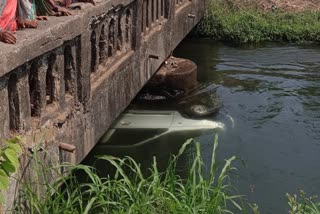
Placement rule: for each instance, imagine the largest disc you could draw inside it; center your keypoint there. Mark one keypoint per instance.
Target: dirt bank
(291, 5)
(283, 5)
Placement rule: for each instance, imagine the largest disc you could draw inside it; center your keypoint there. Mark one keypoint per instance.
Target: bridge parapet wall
(71, 77)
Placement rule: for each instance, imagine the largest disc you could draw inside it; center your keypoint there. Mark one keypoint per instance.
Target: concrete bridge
(70, 78)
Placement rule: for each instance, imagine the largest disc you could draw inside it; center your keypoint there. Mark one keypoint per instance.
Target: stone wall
(67, 80)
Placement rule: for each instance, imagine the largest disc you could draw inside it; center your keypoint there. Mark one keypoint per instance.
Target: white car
(143, 135)
(153, 125)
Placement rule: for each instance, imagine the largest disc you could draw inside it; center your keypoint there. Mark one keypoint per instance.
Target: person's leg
(8, 24)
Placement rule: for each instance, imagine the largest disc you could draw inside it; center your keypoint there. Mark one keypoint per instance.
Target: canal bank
(260, 21)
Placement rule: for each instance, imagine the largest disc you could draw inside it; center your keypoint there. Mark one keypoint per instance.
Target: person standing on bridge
(26, 14)
(50, 8)
(54, 7)
(8, 24)
(68, 2)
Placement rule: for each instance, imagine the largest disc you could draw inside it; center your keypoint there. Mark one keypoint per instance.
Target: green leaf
(4, 180)
(16, 139)
(11, 156)
(8, 167)
(16, 147)
(89, 205)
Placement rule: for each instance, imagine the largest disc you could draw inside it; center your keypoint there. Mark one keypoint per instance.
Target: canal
(272, 94)
(270, 116)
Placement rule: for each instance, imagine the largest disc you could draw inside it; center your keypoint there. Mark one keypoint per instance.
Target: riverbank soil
(283, 5)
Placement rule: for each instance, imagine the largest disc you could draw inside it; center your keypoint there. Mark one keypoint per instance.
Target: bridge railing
(152, 12)
(52, 81)
(111, 35)
(72, 76)
(49, 74)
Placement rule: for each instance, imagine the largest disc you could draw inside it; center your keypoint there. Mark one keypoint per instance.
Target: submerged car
(157, 124)
(145, 134)
(154, 125)
(199, 102)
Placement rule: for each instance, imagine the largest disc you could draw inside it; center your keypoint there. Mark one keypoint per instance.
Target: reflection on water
(273, 95)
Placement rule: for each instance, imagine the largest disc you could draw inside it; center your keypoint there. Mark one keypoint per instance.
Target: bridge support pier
(176, 73)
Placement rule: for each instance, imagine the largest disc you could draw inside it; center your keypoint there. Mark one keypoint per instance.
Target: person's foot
(7, 37)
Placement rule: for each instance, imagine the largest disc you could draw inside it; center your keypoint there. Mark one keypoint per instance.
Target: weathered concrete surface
(71, 77)
(176, 73)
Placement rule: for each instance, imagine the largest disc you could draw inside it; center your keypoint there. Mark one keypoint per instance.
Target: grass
(303, 204)
(131, 191)
(247, 24)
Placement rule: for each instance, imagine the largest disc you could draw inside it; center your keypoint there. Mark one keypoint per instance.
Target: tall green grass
(131, 191)
(303, 204)
(226, 22)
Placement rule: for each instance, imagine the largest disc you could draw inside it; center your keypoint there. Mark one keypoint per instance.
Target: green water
(272, 94)
(271, 113)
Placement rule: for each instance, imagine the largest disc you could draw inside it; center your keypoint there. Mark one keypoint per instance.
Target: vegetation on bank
(9, 163)
(130, 191)
(240, 24)
(303, 204)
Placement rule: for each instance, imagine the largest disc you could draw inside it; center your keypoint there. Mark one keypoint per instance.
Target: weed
(129, 190)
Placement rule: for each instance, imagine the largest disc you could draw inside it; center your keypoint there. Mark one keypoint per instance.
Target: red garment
(8, 15)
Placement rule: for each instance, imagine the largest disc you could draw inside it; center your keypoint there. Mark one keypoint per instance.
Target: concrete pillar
(4, 110)
(112, 36)
(24, 99)
(144, 17)
(103, 45)
(84, 84)
(69, 72)
(158, 9)
(42, 72)
(176, 73)
(59, 77)
(150, 25)
(54, 78)
(19, 100)
(137, 22)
